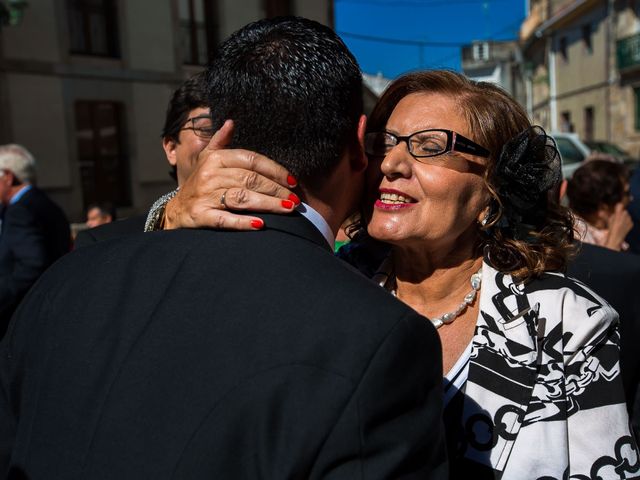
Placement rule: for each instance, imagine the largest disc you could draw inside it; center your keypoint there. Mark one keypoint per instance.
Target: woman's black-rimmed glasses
(423, 144)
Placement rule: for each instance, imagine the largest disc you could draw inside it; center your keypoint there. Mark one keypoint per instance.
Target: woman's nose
(398, 161)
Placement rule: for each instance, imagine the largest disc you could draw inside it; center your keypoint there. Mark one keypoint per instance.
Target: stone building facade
(581, 62)
(84, 85)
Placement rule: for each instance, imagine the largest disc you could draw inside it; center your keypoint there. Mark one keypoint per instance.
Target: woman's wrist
(156, 217)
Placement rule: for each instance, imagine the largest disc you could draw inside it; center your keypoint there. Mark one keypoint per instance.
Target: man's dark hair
(293, 90)
(188, 96)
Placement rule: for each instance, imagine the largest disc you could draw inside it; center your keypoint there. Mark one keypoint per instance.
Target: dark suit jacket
(616, 276)
(111, 230)
(35, 233)
(196, 354)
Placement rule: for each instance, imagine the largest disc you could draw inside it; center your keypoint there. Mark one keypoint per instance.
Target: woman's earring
(485, 220)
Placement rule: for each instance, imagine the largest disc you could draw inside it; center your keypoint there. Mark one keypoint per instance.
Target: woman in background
(598, 195)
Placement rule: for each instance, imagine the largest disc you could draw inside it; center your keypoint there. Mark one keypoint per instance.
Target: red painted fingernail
(287, 204)
(257, 224)
(294, 198)
(291, 180)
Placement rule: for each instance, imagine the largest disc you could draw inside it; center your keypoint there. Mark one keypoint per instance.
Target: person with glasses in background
(461, 224)
(187, 130)
(187, 127)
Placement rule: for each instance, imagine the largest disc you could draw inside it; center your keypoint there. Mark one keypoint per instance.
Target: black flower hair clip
(528, 167)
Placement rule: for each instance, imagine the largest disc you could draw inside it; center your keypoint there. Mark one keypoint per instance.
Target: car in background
(613, 150)
(574, 151)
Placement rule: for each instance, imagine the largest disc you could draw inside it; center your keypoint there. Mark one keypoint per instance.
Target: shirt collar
(318, 221)
(20, 194)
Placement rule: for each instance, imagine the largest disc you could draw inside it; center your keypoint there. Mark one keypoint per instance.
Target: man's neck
(318, 221)
(338, 195)
(333, 214)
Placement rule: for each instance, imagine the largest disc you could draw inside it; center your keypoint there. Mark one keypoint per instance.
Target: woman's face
(435, 203)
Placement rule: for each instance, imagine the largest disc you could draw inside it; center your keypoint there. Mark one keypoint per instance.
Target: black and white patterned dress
(543, 397)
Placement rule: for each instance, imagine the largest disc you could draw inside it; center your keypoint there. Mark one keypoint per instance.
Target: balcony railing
(628, 52)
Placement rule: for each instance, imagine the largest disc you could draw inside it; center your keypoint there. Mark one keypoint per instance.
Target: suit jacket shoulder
(111, 230)
(222, 355)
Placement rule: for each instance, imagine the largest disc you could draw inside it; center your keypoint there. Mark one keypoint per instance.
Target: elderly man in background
(34, 232)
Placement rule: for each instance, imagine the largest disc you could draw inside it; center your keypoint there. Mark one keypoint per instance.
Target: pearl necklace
(447, 318)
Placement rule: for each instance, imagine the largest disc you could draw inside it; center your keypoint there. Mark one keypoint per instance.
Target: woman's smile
(390, 199)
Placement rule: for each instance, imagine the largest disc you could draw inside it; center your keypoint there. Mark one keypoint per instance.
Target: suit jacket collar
(294, 224)
(20, 194)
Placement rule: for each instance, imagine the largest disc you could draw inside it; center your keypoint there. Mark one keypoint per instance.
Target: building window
(481, 51)
(565, 122)
(93, 27)
(586, 38)
(562, 48)
(276, 8)
(199, 30)
(588, 123)
(103, 163)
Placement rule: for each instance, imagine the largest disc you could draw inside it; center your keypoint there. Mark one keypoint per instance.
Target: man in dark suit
(208, 354)
(615, 276)
(187, 130)
(34, 230)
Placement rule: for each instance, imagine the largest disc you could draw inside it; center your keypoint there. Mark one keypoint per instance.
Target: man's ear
(169, 147)
(359, 160)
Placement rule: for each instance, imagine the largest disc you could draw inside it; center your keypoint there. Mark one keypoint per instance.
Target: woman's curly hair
(527, 231)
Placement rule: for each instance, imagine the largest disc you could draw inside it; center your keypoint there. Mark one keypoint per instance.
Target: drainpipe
(609, 69)
(553, 106)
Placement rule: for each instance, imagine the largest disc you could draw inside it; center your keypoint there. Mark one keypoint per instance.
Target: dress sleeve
(599, 435)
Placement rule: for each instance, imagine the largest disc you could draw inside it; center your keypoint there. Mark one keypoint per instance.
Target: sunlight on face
(435, 202)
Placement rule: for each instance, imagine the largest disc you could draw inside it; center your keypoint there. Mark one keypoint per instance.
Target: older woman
(463, 228)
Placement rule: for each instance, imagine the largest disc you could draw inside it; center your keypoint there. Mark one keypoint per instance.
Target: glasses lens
(202, 127)
(428, 144)
(379, 143)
